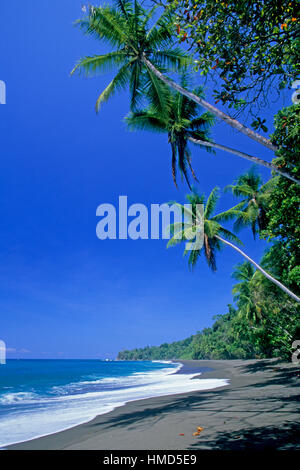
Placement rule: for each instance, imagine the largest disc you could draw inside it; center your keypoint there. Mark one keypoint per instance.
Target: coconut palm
(255, 199)
(142, 55)
(214, 234)
(139, 46)
(127, 28)
(244, 273)
(181, 122)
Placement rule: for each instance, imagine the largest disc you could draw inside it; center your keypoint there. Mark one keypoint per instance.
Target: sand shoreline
(259, 409)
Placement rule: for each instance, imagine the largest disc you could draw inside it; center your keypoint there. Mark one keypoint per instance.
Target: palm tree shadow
(279, 375)
(285, 437)
(265, 364)
(157, 412)
(242, 404)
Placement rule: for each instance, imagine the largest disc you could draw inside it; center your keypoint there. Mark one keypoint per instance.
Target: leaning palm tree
(127, 28)
(255, 200)
(143, 53)
(214, 234)
(180, 122)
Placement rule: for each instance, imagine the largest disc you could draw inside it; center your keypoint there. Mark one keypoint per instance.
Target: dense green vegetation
(250, 46)
(263, 321)
(231, 336)
(264, 324)
(181, 122)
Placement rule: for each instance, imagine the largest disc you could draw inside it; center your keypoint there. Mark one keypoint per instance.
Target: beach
(258, 409)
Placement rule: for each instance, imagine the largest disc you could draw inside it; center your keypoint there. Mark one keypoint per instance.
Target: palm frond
(146, 121)
(171, 58)
(240, 223)
(136, 95)
(230, 236)
(181, 149)
(125, 6)
(100, 63)
(239, 190)
(160, 34)
(106, 24)
(193, 257)
(230, 214)
(174, 155)
(211, 202)
(158, 93)
(204, 121)
(243, 272)
(119, 82)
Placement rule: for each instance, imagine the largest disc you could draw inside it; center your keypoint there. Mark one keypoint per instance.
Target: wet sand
(259, 409)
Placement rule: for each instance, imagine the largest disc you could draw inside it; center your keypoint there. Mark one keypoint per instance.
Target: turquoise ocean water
(39, 397)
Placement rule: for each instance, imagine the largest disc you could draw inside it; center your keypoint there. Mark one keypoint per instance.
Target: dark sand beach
(258, 410)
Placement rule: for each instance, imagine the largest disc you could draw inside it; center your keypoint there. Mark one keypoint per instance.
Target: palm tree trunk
(267, 275)
(217, 112)
(256, 160)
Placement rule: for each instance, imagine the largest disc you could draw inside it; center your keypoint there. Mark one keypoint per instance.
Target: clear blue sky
(63, 292)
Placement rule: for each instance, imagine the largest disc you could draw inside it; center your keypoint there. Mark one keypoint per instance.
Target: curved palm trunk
(256, 160)
(267, 275)
(217, 112)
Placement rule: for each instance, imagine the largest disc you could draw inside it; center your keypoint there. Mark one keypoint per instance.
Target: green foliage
(265, 321)
(209, 224)
(258, 124)
(132, 32)
(264, 324)
(165, 352)
(283, 215)
(249, 46)
(179, 122)
(255, 199)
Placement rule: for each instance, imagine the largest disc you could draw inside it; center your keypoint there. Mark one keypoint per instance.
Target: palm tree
(209, 107)
(142, 55)
(247, 156)
(126, 27)
(242, 294)
(180, 123)
(215, 235)
(255, 199)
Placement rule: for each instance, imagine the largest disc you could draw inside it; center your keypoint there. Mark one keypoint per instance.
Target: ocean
(40, 397)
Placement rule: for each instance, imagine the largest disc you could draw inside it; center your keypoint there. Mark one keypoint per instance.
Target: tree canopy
(250, 48)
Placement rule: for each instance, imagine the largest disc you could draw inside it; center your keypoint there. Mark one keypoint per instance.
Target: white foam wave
(17, 397)
(61, 412)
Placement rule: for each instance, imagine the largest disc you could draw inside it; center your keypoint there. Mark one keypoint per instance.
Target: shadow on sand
(261, 438)
(281, 432)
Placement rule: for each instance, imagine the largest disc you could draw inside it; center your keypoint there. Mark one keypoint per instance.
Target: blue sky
(63, 292)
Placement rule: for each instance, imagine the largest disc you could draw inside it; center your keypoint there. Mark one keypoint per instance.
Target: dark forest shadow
(260, 438)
